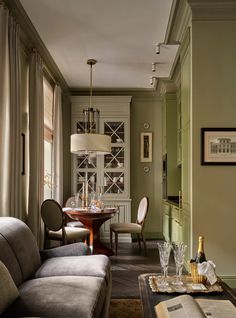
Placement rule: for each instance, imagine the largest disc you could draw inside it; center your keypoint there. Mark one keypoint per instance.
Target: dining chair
(71, 203)
(55, 228)
(132, 228)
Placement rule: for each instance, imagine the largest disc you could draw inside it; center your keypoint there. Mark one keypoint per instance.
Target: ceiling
(120, 34)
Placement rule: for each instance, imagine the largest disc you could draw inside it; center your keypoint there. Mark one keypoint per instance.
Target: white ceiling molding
(213, 9)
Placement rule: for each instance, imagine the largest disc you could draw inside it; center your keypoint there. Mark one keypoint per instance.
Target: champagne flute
(179, 250)
(164, 253)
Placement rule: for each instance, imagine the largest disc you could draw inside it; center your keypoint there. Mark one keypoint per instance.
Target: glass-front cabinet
(110, 172)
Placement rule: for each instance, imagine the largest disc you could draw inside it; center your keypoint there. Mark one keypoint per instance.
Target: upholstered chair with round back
(55, 229)
(132, 228)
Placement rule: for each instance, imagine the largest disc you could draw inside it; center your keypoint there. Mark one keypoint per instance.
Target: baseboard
(229, 280)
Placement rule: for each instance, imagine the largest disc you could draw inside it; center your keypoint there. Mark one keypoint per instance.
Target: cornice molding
(213, 9)
(181, 21)
(31, 40)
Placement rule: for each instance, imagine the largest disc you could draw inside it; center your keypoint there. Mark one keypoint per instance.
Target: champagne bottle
(200, 256)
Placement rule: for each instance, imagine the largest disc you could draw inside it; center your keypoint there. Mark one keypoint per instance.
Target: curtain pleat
(4, 111)
(10, 117)
(36, 138)
(57, 161)
(15, 121)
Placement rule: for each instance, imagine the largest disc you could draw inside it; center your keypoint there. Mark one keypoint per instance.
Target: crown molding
(181, 21)
(213, 9)
(31, 40)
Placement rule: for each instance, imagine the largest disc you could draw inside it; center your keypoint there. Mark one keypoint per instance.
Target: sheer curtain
(57, 161)
(10, 117)
(36, 137)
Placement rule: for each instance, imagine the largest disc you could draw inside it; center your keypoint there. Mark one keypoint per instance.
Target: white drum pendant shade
(87, 143)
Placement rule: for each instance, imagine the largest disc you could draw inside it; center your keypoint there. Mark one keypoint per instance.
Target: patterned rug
(125, 308)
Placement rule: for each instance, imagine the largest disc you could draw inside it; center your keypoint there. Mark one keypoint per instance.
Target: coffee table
(149, 299)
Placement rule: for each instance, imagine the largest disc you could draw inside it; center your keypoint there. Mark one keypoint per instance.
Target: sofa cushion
(22, 243)
(87, 265)
(74, 249)
(9, 259)
(69, 296)
(8, 290)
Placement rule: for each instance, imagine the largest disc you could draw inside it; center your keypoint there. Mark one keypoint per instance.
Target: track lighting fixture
(158, 48)
(152, 80)
(154, 67)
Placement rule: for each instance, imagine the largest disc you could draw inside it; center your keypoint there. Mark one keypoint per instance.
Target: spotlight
(158, 48)
(153, 80)
(154, 67)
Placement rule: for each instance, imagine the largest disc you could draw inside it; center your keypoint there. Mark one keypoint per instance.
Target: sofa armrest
(75, 249)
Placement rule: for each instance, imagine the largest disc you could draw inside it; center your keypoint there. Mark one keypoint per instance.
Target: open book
(185, 306)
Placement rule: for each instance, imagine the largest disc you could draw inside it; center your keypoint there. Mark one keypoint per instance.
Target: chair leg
(111, 238)
(139, 244)
(144, 244)
(116, 242)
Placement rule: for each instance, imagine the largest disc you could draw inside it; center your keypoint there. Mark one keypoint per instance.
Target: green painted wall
(214, 105)
(147, 110)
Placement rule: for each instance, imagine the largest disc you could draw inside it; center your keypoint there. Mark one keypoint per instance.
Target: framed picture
(146, 147)
(218, 146)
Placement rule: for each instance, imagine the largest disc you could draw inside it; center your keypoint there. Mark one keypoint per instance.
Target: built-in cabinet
(176, 140)
(172, 222)
(110, 172)
(172, 172)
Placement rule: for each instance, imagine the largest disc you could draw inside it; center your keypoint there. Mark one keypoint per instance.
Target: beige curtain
(36, 138)
(57, 159)
(10, 117)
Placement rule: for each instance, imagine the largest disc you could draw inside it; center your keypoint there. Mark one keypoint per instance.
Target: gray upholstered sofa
(67, 283)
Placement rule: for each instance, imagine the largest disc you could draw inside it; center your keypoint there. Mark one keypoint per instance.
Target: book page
(217, 308)
(179, 307)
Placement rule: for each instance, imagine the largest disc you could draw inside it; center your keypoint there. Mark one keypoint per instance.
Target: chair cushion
(8, 290)
(72, 233)
(126, 227)
(87, 265)
(75, 224)
(68, 296)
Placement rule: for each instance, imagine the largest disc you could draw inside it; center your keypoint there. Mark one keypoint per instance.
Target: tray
(188, 286)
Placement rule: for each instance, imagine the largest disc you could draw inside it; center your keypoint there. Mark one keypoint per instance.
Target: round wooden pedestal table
(93, 222)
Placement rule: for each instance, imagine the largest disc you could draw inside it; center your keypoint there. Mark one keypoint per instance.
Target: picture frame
(146, 147)
(218, 146)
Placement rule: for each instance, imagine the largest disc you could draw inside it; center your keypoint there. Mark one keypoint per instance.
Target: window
(48, 137)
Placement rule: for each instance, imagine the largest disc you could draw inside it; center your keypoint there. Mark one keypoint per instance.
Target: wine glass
(179, 250)
(164, 253)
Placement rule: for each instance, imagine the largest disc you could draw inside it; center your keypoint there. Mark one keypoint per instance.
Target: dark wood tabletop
(149, 299)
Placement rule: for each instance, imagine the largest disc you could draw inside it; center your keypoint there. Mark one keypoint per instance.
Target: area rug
(125, 308)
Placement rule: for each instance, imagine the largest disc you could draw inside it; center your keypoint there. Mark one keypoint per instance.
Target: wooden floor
(129, 264)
